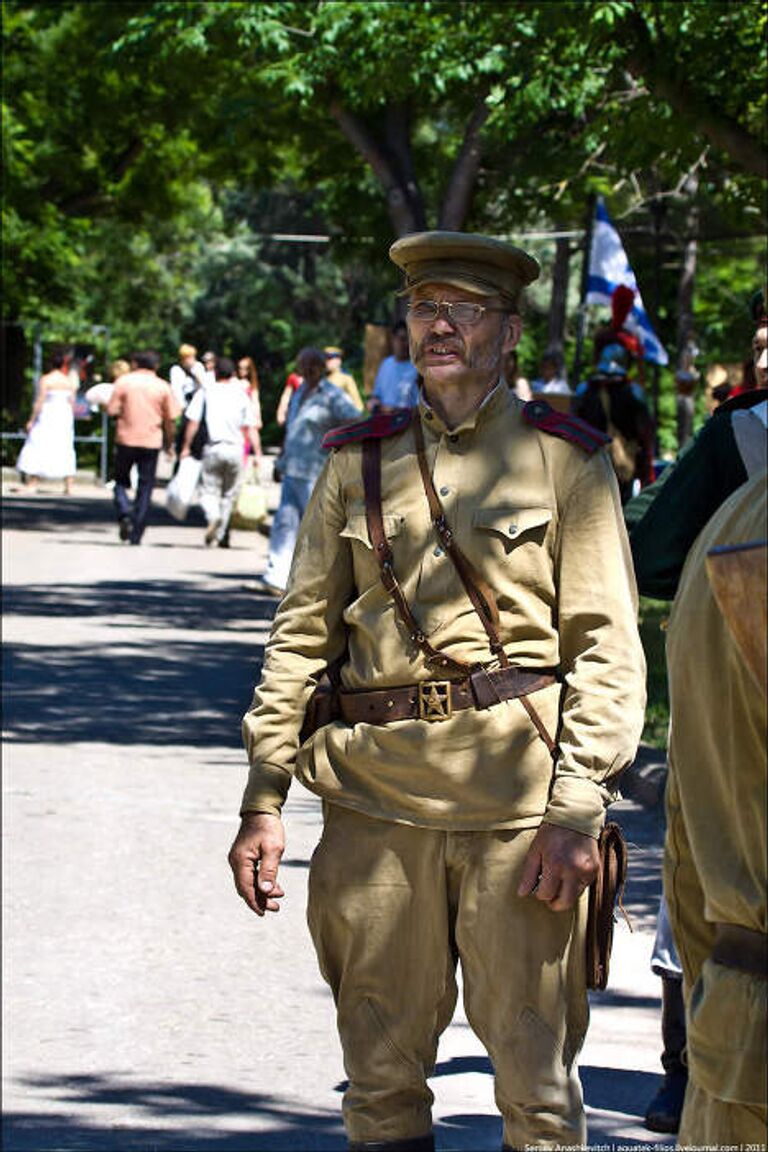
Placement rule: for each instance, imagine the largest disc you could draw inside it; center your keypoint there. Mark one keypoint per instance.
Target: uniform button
(438, 551)
(428, 416)
(513, 529)
(444, 491)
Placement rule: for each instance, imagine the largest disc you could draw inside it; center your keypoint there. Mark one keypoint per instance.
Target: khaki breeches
(712, 1123)
(392, 908)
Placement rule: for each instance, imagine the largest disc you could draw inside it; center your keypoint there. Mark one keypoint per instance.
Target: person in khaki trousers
(715, 874)
(464, 569)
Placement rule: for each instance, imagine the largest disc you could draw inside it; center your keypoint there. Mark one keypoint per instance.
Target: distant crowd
(210, 409)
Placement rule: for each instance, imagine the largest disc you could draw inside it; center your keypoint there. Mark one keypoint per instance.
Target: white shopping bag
(180, 492)
(251, 506)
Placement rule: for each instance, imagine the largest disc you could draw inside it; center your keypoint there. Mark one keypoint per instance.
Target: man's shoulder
(540, 415)
(376, 427)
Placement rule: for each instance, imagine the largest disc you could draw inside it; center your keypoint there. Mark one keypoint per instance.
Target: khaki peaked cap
(480, 264)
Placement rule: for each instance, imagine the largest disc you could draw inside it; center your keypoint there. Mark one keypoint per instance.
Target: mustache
(452, 343)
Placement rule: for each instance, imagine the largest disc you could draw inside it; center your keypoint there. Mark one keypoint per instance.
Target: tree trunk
(559, 300)
(394, 172)
(397, 133)
(463, 180)
(655, 62)
(686, 345)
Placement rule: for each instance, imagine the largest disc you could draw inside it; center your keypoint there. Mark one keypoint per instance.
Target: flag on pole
(609, 267)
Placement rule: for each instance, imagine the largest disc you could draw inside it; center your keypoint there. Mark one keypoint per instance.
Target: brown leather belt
(438, 699)
(741, 948)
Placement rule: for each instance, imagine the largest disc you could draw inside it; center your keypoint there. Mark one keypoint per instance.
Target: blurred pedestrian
(49, 449)
(187, 375)
(209, 367)
(119, 368)
(609, 403)
(397, 380)
(316, 407)
(718, 386)
(293, 382)
(247, 375)
(146, 410)
(552, 380)
(229, 416)
(342, 380)
(511, 372)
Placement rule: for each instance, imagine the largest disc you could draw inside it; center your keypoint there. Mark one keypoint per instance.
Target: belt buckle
(435, 700)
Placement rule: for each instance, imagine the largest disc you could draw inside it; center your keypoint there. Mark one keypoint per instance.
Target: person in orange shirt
(146, 410)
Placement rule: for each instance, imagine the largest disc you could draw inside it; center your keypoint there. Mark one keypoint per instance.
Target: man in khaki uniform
(455, 829)
(715, 853)
(341, 379)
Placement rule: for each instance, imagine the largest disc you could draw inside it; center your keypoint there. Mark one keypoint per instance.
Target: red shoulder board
(376, 427)
(577, 431)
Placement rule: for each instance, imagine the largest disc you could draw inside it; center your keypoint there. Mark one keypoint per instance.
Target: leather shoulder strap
(376, 427)
(478, 590)
(540, 415)
(383, 554)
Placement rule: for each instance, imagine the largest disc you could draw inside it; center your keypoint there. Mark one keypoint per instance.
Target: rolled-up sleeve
(308, 633)
(601, 653)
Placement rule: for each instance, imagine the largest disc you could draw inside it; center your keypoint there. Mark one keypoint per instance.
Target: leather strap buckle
(435, 700)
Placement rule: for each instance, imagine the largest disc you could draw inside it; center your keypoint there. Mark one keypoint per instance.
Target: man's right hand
(254, 859)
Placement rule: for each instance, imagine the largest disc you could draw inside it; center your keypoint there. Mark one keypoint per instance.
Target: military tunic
(541, 520)
(715, 852)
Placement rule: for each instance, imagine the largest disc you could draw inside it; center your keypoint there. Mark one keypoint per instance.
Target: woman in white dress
(49, 449)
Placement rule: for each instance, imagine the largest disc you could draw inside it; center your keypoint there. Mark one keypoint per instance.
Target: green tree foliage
(152, 146)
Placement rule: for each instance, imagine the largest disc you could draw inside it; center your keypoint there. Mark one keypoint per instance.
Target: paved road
(144, 1007)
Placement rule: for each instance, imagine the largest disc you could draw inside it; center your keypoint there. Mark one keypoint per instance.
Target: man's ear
(513, 334)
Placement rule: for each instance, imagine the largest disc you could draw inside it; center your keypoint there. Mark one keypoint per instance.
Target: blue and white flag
(609, 267)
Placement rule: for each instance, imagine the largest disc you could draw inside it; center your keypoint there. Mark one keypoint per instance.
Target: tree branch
(363, 141)
(463, 179)
(95, 200)
(649, 60)
(397, 132)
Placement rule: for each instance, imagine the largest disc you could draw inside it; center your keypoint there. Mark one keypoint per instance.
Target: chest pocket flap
(356, 528)
(511, 522)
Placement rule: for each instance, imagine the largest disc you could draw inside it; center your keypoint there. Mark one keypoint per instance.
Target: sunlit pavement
(144, 1007)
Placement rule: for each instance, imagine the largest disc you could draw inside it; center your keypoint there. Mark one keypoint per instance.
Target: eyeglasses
(457, 311)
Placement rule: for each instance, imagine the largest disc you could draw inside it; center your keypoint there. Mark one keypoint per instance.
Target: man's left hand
(559, 866)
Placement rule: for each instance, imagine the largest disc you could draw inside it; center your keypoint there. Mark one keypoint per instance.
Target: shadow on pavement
(195, 1108)
(618, 1089)
(644, 832)
(182, 691)
(189, 1106)
(193, 694)
(142, 604)
(61, 514)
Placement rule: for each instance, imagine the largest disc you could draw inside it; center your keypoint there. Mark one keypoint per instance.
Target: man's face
(187, 361)
(760, 353)
(445, 352)
(332, 363)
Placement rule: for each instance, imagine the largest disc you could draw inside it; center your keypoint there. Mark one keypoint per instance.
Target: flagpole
(658, 209)
(581, 321)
